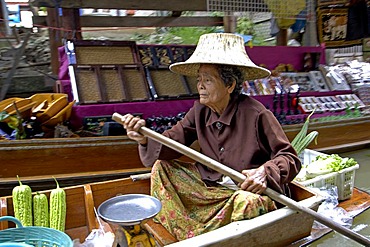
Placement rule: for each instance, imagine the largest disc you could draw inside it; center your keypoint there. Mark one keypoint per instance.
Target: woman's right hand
(132, 125)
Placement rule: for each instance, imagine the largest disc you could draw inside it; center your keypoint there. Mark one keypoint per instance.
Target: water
(360, 225)
(361, 222)
(362, 156)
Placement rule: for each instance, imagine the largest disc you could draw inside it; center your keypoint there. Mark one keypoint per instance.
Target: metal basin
(130, 209)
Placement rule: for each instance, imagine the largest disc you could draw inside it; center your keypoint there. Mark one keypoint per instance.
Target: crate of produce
(343, 179)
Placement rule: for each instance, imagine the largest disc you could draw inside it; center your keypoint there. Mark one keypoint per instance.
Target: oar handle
(239, 177)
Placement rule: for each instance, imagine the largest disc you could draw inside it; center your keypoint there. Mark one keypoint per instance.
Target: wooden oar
(239, 177)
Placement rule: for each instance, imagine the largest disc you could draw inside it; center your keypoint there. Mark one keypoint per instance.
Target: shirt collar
(226, 116)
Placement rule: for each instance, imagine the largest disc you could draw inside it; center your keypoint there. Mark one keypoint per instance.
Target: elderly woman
(231, 128)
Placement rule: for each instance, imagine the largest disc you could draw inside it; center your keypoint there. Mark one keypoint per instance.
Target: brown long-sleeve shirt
(245, 136)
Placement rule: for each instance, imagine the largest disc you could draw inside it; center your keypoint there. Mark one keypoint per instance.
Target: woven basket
(105, 55)
(168, 83)
(34, 235)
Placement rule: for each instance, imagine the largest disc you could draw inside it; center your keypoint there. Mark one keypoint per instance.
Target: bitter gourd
(22, 203)
(40, 210)
(58, 208)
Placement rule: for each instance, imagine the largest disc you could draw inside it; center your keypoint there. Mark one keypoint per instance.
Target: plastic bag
(330, 209)
(97, 238)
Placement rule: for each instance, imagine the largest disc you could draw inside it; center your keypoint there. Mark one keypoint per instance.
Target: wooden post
(55, 38)
(71, 21)
(282, 37)
(229, 23)
(4, 25)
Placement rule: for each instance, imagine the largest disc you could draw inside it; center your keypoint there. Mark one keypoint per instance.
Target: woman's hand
(132, 125)
(256, 180)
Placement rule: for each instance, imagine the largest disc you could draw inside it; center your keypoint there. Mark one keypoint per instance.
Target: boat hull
(90, 159)
(283, 226)
(278, 228)
(71, 160)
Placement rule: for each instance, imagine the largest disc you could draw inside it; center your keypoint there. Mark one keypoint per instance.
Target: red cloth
(63, 64)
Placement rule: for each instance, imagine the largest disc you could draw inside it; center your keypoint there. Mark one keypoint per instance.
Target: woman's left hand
(256, 180)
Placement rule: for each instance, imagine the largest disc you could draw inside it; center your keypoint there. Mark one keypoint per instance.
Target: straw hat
(220, 48)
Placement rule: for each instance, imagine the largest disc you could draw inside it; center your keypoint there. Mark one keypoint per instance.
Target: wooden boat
(42, 106)
(71, 160)
(88, 159)
(51, 110)
(14, 105)
(284, 226)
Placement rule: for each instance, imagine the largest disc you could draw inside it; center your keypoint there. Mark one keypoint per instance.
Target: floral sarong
(190, 207)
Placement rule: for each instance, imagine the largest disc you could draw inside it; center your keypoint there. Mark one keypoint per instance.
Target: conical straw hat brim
(191, 69)
(220, 48)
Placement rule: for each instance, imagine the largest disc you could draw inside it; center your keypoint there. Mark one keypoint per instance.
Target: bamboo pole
(239, 177)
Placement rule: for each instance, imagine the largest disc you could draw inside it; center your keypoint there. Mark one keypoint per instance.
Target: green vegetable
(303, 132)
(337, 163)
(302, 175)
(22, 203)
(318, 167)
(15, 122)
(58, 208)
(40, 210)
(302, 140)
(324, 164)
(306, 141)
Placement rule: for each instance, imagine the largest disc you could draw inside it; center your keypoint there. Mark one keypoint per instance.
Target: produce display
(322, 170)
(324, 164)
(35, 211)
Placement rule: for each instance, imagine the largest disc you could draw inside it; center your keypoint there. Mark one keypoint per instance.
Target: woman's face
(212, 90)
